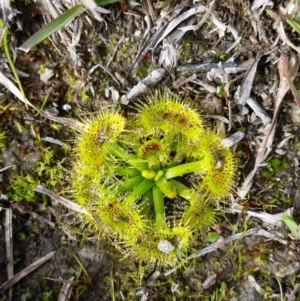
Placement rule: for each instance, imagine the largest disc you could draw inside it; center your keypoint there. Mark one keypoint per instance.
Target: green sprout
(58, 23)
(22, 236)
(152, 180)
(292, 225)
(274, 166)
(2, 140)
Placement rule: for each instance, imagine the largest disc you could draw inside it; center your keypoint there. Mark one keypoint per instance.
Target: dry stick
(292, 296)
(176, 21)
(9, 248)
(61, 200)
(285, 39)
(25, 272)
(247, 82)
(154, 77)
(265, 147)
(216, 245)
(208, 13)
(145, 48)
(8, 84)
(77, 208)
(148, 8)
(24, 210)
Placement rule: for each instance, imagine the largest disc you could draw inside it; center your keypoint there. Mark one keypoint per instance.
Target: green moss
(84, 96)
(48, 171)
(185, 53)
(143, 69)
(42, 69)
(22, 188)
(205, 48)
(221, 56)
(296, 146)
(22, 236)
(123, 52)
(71, 80)
(69, 96)
(275, 166)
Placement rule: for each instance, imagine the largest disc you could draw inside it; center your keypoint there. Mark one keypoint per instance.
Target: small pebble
(66, 107)
(165, 246)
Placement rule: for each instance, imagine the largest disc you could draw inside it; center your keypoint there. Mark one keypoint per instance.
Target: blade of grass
(52, 27)
(105, 2)
(12, 66)
(294, 23)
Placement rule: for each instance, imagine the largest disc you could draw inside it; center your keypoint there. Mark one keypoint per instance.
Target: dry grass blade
(205, 17)
(216, 245)
(285, 39)
(289, 73)
(148, 7)
(115, 50)
(265, 147)
(293, 294)
(61, 200)
(66, 290)
(229, 67)
(73, 206)
(9, 247)
(12, 65)
(25, 272)
(247, 82)
(259, 4)
(271, 219)
(259, 110)
(8, 84)
(25, 210)
(174, 23)
(7, 15)
(144, 50)
(281, 31)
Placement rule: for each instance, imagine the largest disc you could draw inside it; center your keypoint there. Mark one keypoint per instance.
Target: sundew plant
(152, 180)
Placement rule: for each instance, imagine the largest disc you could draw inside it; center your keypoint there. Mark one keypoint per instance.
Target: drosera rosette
(133, 176)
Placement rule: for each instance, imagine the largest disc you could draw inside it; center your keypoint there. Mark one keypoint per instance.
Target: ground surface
(257, 267)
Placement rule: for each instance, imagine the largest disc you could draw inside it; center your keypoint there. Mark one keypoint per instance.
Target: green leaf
(180, 170)
(213, 236)
(105, 2)
(295, 24)
(52, 27)
(139, 190)
(159, 207)
(12, 65)
(292, 225)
